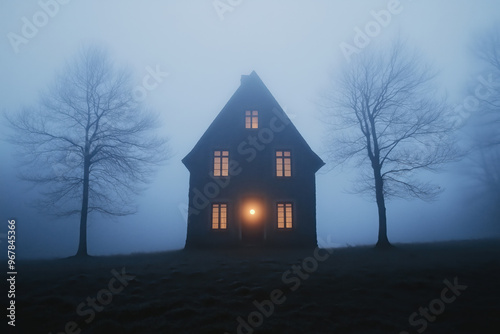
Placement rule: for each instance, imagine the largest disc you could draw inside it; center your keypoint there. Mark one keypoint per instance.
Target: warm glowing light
(221, 163)
(284, 215)
(283, 163)
(252, 211)
(252, 119)
(219, 216)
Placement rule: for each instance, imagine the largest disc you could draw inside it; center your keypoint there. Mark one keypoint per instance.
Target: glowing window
(283, 163)
(284, 215)
(251, 119)
(221, 163)
(219, 216)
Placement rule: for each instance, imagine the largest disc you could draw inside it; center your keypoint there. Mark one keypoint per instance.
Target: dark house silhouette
(252, 176)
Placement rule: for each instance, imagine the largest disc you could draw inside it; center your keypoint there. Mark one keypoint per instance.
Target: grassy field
(450, 287)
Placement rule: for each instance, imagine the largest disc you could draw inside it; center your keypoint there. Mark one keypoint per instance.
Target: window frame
(219, 206)
(283, 157)
(286, 214)
(251, 119)
(220, 171)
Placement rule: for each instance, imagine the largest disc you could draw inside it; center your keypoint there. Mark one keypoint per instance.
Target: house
(252, 176)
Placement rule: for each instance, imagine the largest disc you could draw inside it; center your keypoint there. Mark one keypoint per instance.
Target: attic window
(219, 216)
(284, 215)
(283, 164)
(251, 119)
(221, 163)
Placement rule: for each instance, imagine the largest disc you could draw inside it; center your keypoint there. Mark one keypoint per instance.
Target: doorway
(252, 218)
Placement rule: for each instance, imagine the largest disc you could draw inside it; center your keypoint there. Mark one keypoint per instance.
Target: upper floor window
(219, 216)
(252, 119)
(283, 163)
(221, 163)
(285, 219)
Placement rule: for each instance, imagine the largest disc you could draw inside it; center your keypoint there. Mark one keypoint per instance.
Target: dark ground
(354, 290)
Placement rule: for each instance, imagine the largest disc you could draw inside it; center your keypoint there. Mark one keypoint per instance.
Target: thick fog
(199, 50)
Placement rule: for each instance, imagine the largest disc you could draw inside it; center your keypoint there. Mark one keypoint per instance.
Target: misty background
(294, 46)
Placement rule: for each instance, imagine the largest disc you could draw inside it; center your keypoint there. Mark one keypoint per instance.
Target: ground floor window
(285, 213)
(219, 216)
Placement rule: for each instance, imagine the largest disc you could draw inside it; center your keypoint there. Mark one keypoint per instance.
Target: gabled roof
(252, 93)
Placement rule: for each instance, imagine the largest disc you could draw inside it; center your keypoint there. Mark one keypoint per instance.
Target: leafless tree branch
(385, 113)
(89, 144)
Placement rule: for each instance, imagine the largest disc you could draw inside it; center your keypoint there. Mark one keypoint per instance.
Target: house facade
(252, 176)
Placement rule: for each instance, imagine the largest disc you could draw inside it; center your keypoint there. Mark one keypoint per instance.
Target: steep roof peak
(252, 77)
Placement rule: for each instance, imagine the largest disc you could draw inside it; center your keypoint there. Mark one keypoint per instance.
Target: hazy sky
(294, 46)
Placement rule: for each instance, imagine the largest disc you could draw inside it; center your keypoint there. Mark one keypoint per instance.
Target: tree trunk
(82, 246)
(383, 241)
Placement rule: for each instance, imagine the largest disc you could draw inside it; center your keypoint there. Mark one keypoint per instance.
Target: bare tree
(384, 115)
(487, 50)
(484, 123)
(89, 144)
